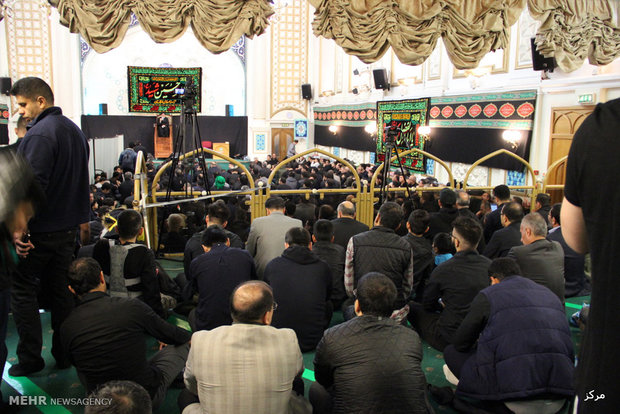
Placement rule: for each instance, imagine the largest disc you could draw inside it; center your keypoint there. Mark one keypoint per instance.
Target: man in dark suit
(423, 263)
(492, 222)
(575, 281)
(345, 226)
(503, 240)
(332, 254)
(463, 201)
(543, 206)
(540, 260)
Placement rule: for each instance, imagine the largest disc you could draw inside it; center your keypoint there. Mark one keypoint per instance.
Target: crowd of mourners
(481, 277)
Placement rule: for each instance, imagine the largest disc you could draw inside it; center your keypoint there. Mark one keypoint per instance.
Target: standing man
(58, 151)
(266, 239)
(493, 222)
(292, 150)
(592, 223)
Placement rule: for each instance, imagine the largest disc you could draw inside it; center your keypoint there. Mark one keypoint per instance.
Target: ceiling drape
(217, 24)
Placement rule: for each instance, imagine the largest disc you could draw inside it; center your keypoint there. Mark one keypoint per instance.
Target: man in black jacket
(345, 226)
(423, 264)
(57, 151)
(441, 222)
(302, 285)
(217, 215)
(105, 337)
(492, 221)
(332, 254)
(381, 250)
(508, 237)
(370, 364)
(452, 287)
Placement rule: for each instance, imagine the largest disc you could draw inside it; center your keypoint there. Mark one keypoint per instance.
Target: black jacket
(302, 285)
(441, 222)
(333, 255)
(503, 240)
(345, 228)
(575, 281)
(456, 282)
(193, 248)
(374, 365)
(105, 339)
(492, 222)
(423, 263)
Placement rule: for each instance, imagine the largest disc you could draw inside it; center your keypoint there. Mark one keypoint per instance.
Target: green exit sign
(587, 98)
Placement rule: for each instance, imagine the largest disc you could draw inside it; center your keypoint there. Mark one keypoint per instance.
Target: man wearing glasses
(452, 287)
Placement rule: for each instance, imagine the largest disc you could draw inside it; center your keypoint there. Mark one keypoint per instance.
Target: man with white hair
(540, 260)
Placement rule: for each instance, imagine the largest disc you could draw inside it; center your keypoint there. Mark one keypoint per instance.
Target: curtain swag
(570, 30)
(217, 24)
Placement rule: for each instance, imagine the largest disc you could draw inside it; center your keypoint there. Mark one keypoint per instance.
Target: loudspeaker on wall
(539, 62)
(381, 79)
(5, 86)
(306, 91)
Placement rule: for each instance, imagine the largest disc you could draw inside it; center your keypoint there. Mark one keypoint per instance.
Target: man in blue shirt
(57, 151)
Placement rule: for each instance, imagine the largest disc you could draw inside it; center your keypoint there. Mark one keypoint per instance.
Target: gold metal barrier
(357, 191)
(533, 187)
(551, 170)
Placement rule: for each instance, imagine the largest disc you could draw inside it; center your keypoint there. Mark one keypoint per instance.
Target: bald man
(253, 363)
(345, 226)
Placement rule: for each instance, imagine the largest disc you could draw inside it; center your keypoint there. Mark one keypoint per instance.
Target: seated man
(575, 281)
(215, 275)
(540, 260)
(452, 287)
(514, 343)
(248, 367)
(332, 254)
(217, 215)
(417, 225)
(129, 267)
(371, 363)
(503, 240)
(124, 397)
(105, 337)
(302, 286)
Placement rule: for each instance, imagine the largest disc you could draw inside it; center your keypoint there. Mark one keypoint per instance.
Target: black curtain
(467, 145)
(4, 134)
(355, 138)
(233, 129)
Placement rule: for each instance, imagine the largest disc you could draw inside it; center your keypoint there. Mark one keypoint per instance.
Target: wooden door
(280, 139)
(564, 124)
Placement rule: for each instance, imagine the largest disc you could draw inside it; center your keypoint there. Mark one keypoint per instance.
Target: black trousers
(425, 324)
(5, 303)
(47, 264)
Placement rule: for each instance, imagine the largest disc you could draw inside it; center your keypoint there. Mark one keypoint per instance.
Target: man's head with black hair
(442, 243)
(542, 200)
(274, 204)
(501, 193)
(297, 236)
(503, 267)
(390, 215)
(323, 230)
(218, 213)
(84, 276)
(467, 232)
(375, 295)
(252, 302)
(447, 198)
(122, 397)
(129, 225)
(33, 96)
(214, 235)
(513, 212)
(418, 221)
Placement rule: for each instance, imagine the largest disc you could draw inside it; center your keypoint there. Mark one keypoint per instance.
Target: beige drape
(572, 30)
(367, 28)
(217, 24)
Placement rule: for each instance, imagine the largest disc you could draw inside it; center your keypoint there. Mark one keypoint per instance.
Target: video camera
(188, 94)
(391, 132)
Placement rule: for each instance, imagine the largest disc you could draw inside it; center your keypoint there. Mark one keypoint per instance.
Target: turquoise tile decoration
(261, 142)
(515, 178)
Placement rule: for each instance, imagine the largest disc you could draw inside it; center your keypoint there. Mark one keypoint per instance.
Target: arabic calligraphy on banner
(161, 89)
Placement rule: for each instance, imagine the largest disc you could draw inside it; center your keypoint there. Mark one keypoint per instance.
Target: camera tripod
(391, 133)
(187, 117)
